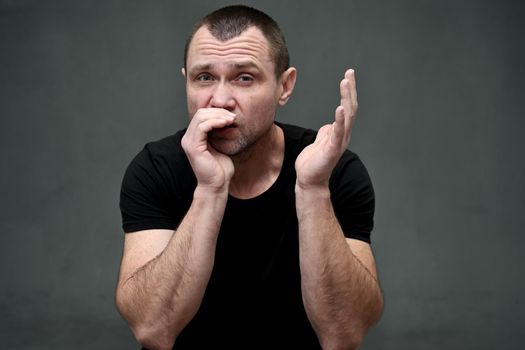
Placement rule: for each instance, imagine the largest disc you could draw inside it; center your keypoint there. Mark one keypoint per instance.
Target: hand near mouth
(213, 169)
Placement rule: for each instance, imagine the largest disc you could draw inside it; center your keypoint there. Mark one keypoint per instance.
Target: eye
(245, 79)
(204, 77)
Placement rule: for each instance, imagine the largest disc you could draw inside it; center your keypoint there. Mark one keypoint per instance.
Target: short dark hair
(231, 21)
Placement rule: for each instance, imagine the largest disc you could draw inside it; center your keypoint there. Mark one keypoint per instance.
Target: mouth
(225, 129)
(230, 126)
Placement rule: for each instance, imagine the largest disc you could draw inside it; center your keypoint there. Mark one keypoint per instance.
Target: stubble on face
(230, 146)
(244, 144)
(255, 107)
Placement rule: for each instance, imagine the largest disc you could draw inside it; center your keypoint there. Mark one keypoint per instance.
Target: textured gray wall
(84, 85)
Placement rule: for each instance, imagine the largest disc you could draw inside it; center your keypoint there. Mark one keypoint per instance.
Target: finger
(205, 114)
(197, 132)
(350, 76)
(208, 113)
(220, 111)
(338, 127)
(346, 99)
(346, 103)
(350, 98)
(215, 123)
(322, 134)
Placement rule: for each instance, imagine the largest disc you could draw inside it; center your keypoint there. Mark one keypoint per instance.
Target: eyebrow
(236, 65)
(200, 67)
(242, 65)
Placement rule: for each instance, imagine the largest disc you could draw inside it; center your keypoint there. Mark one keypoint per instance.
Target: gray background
(84, 85)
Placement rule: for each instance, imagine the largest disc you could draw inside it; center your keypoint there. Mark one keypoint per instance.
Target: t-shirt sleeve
(145, 201)
(353, 197)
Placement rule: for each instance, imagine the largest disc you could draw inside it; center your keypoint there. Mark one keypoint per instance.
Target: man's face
(236, 75)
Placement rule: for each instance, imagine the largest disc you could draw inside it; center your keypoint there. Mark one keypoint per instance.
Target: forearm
(341, 297)
(161, 297)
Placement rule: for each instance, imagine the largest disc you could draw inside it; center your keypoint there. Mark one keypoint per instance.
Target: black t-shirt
(253, 298)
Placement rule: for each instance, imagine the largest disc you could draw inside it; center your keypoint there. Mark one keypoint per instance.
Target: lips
(222, 131)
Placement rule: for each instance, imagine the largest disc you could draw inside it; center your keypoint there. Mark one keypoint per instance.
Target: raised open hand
(315, 163)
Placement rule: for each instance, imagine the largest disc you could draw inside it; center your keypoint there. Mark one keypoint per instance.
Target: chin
(229, 148)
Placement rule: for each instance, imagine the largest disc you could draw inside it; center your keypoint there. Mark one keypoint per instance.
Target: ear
(287, 83)
(183, 71)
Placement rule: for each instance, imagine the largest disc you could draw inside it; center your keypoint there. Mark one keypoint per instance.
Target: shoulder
(166, 148)
(157, 186)
(297, 133)
(353, 197)
(160, 154)
(351, 188)
(350, 162)
(161, 163)
(296, 137)
(350, 177)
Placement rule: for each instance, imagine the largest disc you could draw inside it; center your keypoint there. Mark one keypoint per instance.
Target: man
(242, 232)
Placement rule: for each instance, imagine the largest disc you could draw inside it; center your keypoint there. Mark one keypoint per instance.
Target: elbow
(356, 337)
(120, 303)
(352, 343)
(348, 342)
(152, 333)
(353, 336)
(354, 340)
(376, 311)
(358, 331)
(153, 337)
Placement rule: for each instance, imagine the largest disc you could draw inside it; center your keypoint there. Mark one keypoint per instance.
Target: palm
(315, 163)
(214, 168)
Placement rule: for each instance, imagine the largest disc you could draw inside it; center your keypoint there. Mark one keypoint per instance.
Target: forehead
(251, 45)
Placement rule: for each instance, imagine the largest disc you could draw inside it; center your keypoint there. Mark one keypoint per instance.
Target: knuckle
(201, 127)
(199, 114)
(184, 142)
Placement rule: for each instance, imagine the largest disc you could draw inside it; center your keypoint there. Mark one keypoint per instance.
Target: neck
(257, 168)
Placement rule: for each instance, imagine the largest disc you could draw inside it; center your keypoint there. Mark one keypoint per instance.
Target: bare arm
(341, 295)
(160, 297)
(340, 290)
(163, 273)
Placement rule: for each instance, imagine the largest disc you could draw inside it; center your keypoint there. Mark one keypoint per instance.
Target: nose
(222, 97)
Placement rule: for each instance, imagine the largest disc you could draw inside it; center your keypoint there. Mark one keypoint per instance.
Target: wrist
(311, 196)
(210, 192)
(318, 190)
(312, 201)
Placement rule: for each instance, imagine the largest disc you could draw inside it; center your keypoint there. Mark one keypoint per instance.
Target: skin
(232, 94)
(235, 148)
(339, 282)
